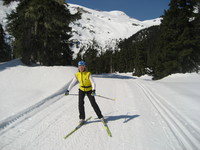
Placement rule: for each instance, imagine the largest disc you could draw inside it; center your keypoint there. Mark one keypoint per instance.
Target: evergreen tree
(125, 56)
(196, 23)
(105, 62)
(42, 32)
(140, 51)
(90, 57)
(5, 51)
(2, 42)
(177, 45)
(140, 59)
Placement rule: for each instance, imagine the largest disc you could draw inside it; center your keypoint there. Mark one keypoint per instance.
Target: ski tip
(66, 137)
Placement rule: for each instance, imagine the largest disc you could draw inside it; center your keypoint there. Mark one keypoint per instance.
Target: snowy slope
(106, 27)
(153, 115)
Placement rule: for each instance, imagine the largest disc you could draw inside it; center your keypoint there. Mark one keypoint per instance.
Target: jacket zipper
(82, 79)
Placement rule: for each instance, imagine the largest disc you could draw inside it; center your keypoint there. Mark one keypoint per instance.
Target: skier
(87, 87)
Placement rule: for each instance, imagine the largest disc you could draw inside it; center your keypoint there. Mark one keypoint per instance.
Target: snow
(153, 115)
(4, 10)
(29, 85)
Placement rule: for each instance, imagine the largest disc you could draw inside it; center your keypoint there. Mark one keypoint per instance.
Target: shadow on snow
(126, 118)
(10, 64)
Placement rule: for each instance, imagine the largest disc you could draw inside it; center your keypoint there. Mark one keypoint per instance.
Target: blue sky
(138, 9)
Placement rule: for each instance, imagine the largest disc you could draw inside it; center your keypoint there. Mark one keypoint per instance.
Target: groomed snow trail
(139, 119)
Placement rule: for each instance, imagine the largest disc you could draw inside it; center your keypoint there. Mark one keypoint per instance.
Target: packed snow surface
(153, 115)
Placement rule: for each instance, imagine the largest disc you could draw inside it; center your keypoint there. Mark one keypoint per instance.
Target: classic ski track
(41, 122)
(14, 120)
(180, 127)
(57, 117)
(18, 118)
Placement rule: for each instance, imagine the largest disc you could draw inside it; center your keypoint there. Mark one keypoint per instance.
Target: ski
(106, 128)
(77, 127)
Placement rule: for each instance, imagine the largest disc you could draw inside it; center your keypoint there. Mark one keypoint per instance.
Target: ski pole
(113, 99)
(73, 94)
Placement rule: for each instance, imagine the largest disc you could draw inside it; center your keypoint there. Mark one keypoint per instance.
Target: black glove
(93, 93)
(67, 93)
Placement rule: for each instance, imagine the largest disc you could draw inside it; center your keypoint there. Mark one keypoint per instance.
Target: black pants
(92, 101)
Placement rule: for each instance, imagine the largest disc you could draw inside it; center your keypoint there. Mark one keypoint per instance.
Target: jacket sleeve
(72, 83)
(93, 82)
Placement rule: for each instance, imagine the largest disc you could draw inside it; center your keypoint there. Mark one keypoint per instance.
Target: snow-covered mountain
(106, 28)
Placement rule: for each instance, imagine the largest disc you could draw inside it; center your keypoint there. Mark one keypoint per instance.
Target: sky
(138, 9)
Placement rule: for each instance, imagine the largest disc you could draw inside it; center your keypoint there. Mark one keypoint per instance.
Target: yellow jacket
(84, 81)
